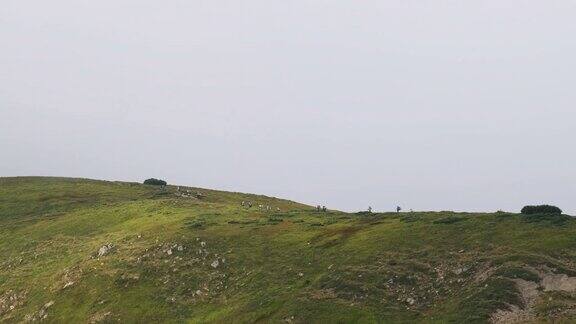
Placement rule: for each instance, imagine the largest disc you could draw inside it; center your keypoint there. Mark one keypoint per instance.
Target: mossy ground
(293, 265)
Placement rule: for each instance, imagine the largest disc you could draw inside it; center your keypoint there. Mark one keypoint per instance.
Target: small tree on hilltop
(541, 209)
(155, 182)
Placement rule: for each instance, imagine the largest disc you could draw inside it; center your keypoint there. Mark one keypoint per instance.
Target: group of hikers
(248, 204)
(398, 209)
(323, 209)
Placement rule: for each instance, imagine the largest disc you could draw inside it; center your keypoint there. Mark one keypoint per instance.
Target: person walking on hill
(398, 209)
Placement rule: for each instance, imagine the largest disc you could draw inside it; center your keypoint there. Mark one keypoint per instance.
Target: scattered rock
(323, 294)
(10, 300)
(42, 314)
(484, 272)
(215, 264)
(516, 314)
(105, 249)
(99, 317)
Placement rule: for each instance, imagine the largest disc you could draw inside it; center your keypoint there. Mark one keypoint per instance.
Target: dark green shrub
(155, 182)
(449, 220)
(541, 209)
(198, 223)
(516, 272)
(410, 218)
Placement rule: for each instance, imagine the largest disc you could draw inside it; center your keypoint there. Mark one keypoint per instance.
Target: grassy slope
(295, 265)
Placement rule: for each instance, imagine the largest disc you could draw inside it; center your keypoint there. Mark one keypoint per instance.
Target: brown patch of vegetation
(323, 294)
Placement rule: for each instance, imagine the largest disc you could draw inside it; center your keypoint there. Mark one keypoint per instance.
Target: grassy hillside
(82, 251)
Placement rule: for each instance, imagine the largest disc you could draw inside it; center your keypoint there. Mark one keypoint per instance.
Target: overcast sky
(428, 104)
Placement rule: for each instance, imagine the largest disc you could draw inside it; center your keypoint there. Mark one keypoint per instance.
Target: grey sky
(433, 105)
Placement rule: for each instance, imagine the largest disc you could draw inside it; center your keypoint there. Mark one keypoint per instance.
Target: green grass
(497, 294)
(294, 265)
(518, 273)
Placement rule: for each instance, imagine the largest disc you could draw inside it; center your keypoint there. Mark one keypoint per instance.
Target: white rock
(105, 249)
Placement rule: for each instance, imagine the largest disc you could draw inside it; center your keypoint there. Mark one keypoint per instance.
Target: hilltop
(78, 250)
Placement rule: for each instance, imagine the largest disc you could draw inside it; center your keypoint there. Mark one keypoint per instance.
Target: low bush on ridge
(155, 182)
(541, 209)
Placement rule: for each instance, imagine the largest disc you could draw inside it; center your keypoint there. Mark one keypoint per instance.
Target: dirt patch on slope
(11, 300)
(530, 293)
(485, 271)
(516, 314)
(558, 282)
